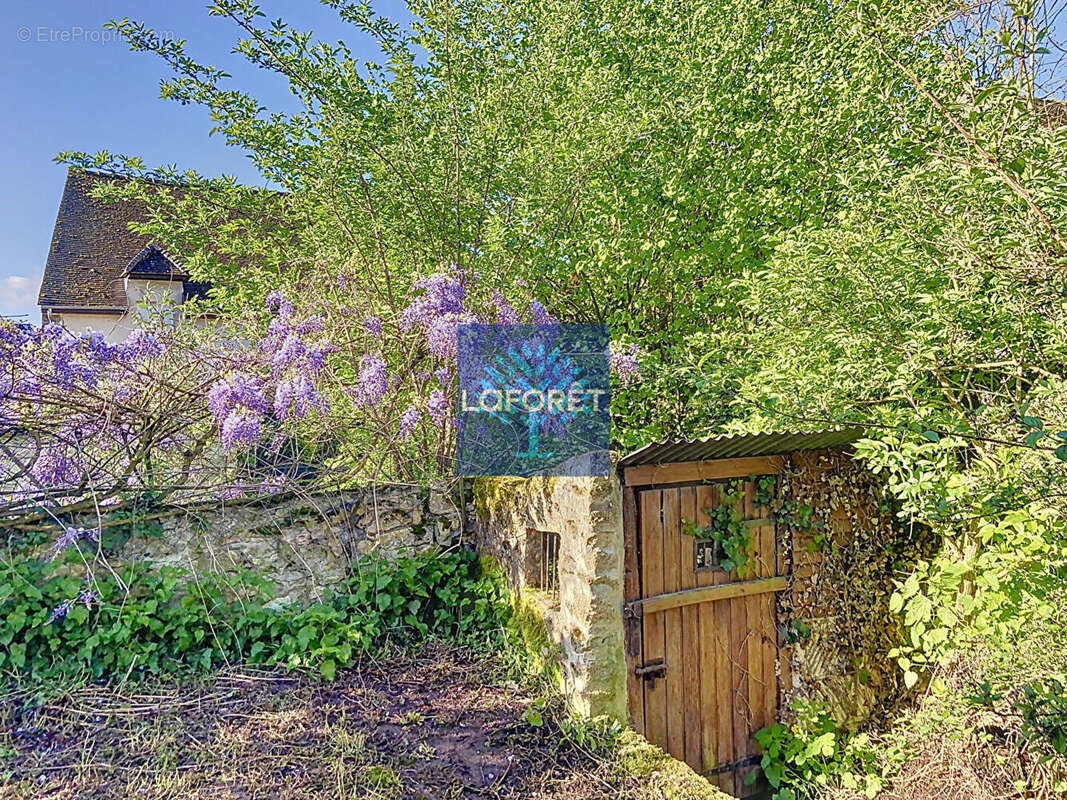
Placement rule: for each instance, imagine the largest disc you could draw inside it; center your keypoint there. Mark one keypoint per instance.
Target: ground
(443, 723)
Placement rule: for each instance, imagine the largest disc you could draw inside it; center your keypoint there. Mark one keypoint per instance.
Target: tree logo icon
(531, 397)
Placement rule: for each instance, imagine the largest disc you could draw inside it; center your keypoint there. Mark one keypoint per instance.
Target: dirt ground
(435, 725)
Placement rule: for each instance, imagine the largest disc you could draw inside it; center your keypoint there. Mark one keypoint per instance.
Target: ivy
(167, 623)
(727, 527)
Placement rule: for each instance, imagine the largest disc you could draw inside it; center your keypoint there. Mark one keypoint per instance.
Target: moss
(528, 624)
(379, 777)
(496, 493)
(665, 777)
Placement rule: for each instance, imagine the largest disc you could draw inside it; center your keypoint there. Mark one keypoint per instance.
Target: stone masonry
(583, 616)
(303, 545)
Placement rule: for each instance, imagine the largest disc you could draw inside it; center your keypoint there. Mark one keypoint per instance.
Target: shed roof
(740, 445)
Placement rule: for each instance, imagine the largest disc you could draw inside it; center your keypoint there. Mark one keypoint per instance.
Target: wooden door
(704, 673)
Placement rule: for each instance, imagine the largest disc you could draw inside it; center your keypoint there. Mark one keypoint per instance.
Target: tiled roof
(738, 445)
(92, 248)
(153, 261)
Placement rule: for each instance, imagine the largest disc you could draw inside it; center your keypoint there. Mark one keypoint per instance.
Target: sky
(67, 84)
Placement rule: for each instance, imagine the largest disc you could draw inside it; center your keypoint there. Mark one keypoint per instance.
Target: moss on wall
(664, 776)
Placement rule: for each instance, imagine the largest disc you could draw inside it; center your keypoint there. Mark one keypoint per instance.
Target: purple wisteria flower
(239, 389)
(441, 335)
(142, 344)
(70, 538)
(233, 492)
(60, 612)
(505, 312)
(292, 350)
(241, 427)
(442, 293)
(311, 325)
(622, 360)
(297, 396)
(238, 404)
(408, 420)
(439, 408)
(373, 382)
(374, 325)
(275, 484)
(316, 355)
(54, 467)
(539, 314)
(79, 359)
(277, 302)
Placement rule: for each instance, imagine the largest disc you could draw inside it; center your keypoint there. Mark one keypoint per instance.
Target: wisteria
(277, 302)
(142, 344)
(373, 382)
(539, 314)
(60, 612)
(622, 360)
(70, 538)
(165, 405)
(238, 401)
(55, 467)
(439, 408)
(441, 294)
(408, 420)
(505, 312)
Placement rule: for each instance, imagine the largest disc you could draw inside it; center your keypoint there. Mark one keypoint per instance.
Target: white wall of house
(147, 296)
(143, 297)
(115, 327)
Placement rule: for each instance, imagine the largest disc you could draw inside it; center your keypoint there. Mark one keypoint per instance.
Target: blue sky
(66, 84)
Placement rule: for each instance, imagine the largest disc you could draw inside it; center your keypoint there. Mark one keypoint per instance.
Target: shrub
(800, 759)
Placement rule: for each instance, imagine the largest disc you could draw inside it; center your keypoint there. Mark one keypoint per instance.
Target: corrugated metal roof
(740, 445)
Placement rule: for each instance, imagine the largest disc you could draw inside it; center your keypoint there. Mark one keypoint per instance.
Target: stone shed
(708, 585)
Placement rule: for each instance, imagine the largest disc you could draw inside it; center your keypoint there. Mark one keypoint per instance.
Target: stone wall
(302, 545)
(583, 613)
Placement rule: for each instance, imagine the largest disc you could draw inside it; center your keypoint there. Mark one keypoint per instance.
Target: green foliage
(1044, 711)
(597, 735)
(167, 622)
(727, 527)
(801, 759)
(991, 584)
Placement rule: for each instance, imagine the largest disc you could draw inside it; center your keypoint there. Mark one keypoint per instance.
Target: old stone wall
(572, 583)
(844, 549)
(303, 545)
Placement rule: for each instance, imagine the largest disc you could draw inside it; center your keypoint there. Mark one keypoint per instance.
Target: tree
(622, 163)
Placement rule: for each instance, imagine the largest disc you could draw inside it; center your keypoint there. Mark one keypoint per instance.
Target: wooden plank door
(705, 669)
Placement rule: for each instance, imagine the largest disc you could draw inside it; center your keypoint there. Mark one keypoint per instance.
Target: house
(102, 276)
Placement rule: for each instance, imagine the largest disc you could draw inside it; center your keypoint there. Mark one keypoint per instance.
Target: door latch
(651, 670)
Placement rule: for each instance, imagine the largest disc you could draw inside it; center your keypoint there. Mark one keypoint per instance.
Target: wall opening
(550, 562)
(542, 560)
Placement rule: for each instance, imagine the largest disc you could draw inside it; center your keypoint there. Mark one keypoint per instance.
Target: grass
(441, 724)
